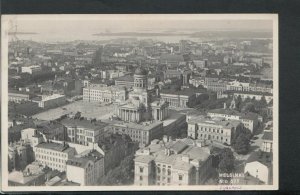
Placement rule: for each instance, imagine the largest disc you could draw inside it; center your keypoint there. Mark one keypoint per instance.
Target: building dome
(140, 71)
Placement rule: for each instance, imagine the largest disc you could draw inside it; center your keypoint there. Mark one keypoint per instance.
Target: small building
(50, 101)
(260, 167)
(31, 69)
(86, 169)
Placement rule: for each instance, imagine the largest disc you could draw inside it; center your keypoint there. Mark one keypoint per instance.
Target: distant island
(203, 34)
(146, 34)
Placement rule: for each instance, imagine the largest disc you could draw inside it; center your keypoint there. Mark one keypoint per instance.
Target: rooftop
(262, 157)
(146, 126)
(247, 115)
(83, 123)
(268, 135)
(187, 92)
(55, 146)
(83, 160)
(213, 121)
(181, 153)
(127, 78)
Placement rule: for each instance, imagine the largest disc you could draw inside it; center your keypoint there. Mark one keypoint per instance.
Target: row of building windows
(210, 129)
(51, 152)
(212, 137)
(50, 158)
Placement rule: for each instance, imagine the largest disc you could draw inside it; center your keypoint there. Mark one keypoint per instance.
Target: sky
(84, 26)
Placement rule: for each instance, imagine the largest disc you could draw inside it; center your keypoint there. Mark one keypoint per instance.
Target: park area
(87, 109)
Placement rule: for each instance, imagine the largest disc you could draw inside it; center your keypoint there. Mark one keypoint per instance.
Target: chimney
(185, 158)
(165, 138)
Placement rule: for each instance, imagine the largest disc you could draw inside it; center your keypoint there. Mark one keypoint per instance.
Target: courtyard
(87, 109)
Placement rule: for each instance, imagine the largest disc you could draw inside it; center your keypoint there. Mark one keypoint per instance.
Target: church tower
(140, 79)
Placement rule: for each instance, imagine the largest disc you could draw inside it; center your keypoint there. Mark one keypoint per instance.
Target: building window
(141, 169)
(169, 172)
(180, 177)
(141, 178)
(158, 170)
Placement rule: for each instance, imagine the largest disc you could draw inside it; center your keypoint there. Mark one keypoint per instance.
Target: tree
(249, 107)
(242, 144)
(238, 103)
(226, 164)
(241, 140)
(121, 175)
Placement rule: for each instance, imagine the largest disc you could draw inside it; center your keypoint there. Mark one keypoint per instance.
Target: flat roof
(55, 146)
(248, 115)
(187, 92)
(83, 123)
(146, 126)
(212, 121)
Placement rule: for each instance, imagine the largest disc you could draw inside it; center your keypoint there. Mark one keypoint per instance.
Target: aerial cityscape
(138, 103)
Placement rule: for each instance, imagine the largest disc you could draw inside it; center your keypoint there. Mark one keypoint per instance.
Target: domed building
(140, 101)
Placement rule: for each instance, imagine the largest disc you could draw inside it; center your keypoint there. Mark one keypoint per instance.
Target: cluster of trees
(241, 140)
(250, 105)
(121, 175)
(226, 161)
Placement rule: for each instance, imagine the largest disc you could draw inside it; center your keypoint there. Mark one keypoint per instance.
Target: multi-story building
(142, 133)
(215, 84)
(31, 69)
(83, 131)
(204, 128)
(168, 162)
(197, 81)
(86, 169)
(125, 81)
(18, 96)
(259, 165)
(107, 94)
(54, 155)
(178, 99)
(237, 86)
(172, 74)
(261, 87)
(267, 138)
(50, 101)
(250, 120)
